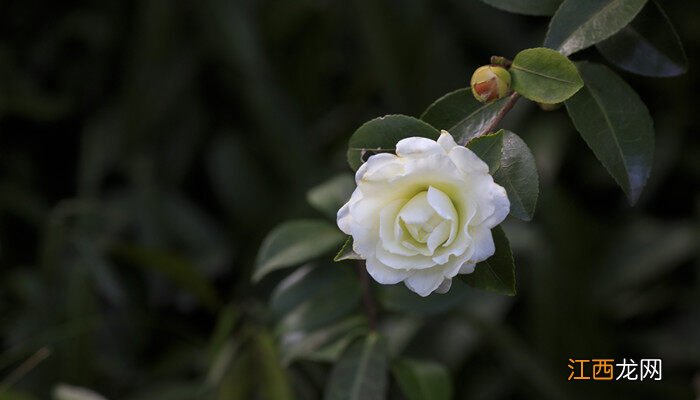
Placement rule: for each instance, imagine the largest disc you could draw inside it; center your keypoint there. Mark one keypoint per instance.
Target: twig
(502, 113)
(367, 300)
(24, 368)
(501, 61)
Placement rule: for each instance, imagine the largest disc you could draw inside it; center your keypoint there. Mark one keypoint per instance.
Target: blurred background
(147, 147)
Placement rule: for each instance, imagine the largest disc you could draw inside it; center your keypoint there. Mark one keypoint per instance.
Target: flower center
(427, 221)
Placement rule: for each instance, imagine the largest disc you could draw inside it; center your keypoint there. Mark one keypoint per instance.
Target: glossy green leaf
(380, 135)
(489, 149)
(423, 380)
(361, 373)
(580, 24)
(460, 114)
(497, 273)
(517, 173)
(527, 7)
(648, 46)
(329, 196)
(312, 297)
(616, 125)
(544, 75)
(295, 242)
(346, 252)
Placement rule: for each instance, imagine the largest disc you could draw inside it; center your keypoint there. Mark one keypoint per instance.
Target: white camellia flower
(424, 215)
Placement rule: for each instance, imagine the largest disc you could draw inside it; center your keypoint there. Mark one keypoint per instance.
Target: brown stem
(367, 300)
(502, 113)
(502, 61)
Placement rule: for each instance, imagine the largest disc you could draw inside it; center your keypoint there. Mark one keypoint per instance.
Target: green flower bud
(490, 83)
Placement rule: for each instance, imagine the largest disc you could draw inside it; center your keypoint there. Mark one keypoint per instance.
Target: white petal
(501, 206)
(446, 141)
(417, 147)
(483, 244)
(467, 268)
(345, 219)
(444, 286)
(389, 229)
(441, 203)
(379, 167)
(439, 235)
(383, 274)
(424, 282)
(467, 161)
(417, 210)
(397, 261)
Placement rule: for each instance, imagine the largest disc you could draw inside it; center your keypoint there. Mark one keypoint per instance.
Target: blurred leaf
(324, 344)
(295, 242)
(197, 231)
(178, 269)
(15, 395)
(380, 135)
(544, 75)
(67, 392)
(579, 24)
(273, 380)
(460, 114)
(646, 250)
(361, 372)
(399, 299)
(423, 380)
(497, 273)
(518, 175)
(648, 46)
(527, 7)
(313, 297)
(488, 148)
(346, 252)
(616, 125)
(329, 196)
(172, 390)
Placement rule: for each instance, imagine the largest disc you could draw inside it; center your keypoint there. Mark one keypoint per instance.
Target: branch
(367, 300)
(502, 113)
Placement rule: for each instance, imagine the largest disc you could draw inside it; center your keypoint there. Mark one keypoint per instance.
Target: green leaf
(497, 273)
(312, 297)
(648, 46)
(329, 196)
(489, 149)
(545, 76)
(423, 380)
(580, 24)
(380, 135)
(295, 242)
(460, 114)
(400, 299)
(517, 173)
(616, 125)
(527, 7)
(361, 373)
(346, 252)
(324, 344)
(68, 392)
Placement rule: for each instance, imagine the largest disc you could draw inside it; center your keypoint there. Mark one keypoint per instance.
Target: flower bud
(490, 82)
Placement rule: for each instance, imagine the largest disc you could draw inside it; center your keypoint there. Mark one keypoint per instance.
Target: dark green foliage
(147, 148)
